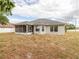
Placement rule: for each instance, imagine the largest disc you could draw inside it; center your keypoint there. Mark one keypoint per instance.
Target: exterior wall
(40, 32)
(7, 30)
(61, 30)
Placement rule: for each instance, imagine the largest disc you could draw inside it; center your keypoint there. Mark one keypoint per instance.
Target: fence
(7, 30)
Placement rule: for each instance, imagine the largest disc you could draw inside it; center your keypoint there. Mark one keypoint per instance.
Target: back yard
(14, 46)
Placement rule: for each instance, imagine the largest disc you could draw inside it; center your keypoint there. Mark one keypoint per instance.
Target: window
(51, 28)
(56, 28)
(42, 28)
(37, 29)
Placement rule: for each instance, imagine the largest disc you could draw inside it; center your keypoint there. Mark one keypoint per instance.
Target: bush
(70, 26)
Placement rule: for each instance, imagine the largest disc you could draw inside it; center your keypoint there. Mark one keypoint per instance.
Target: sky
(53, 9)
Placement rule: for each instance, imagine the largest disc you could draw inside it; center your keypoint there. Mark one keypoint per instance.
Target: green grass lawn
(14, 46)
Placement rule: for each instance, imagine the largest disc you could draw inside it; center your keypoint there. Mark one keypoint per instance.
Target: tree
(6, 7)
(4, 20)
(70, 26)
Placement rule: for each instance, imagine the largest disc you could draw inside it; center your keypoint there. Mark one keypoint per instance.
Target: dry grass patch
(14, 46)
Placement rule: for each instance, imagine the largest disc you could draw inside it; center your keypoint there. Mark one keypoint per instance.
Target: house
(7, 28)
(40, 26)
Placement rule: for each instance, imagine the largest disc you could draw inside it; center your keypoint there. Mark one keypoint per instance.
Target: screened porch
(24, 28)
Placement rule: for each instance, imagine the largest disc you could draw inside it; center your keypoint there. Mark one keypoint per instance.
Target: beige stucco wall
(61, 30)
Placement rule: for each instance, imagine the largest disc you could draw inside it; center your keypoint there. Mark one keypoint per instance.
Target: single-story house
(40, 26)
(7, 28)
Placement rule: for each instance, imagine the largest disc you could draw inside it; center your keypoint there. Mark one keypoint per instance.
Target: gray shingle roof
(42, 22)
(22, 23)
